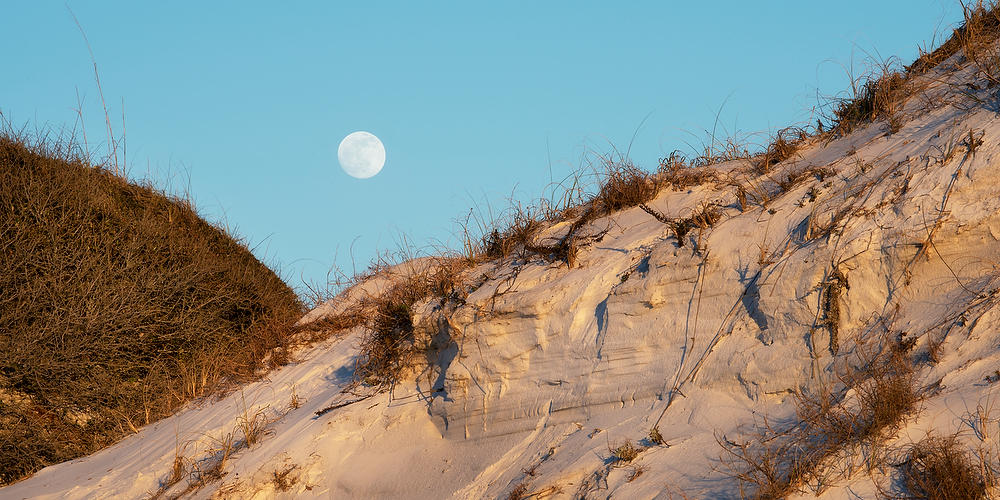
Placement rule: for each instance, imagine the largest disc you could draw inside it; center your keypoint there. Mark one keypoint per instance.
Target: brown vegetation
(120, 304)
(624, 186)
(625, 453)
(878, 97)
(832, 290)
(881, 94)
(974, 38)
(282, 481)
(703, 218)
(937, 468)
(877, 392)
(783, 146)
(520, 491)
(391, 338)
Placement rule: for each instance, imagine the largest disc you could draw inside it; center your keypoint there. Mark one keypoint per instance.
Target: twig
(332, 407)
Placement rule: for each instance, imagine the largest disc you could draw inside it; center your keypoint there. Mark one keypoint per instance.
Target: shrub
(676, 172)
(391, 336)
(938, 469)
(876, 98)
(520, 491)
(625, 453)
(119, 304)
(624, 186)
(782, 147)
(655, 437)
(980, 28)
(831, 424)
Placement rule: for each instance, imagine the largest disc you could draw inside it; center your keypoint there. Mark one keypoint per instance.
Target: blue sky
(245, 103)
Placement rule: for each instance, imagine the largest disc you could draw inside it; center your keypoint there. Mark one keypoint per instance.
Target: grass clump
(880, 94)
(615, 186)
(519, 492)
(391, 339)
(625, 185)
(119, 304)
(875, 98)
(783, 146)
(625, 453)
(622, 185)
(515, 236)
(980, 28)
(675, 171)
(655, 437)
(978, 36)
(877, 392)
(391, 336)
(937, 468)
(282, 480)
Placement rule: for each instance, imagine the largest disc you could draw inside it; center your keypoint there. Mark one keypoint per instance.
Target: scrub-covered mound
(117, 304)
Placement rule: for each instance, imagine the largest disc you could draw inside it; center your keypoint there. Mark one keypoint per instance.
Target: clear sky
(245, 103)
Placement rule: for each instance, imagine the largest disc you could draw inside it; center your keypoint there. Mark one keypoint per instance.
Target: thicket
(118, 304)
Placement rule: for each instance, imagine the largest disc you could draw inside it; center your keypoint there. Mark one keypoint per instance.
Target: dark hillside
(117, 305)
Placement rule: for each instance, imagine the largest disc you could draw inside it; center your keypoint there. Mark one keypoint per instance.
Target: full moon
(361, 155)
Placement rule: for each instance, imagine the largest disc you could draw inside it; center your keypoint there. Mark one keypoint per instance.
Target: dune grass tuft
(938, 468)
(877, 392)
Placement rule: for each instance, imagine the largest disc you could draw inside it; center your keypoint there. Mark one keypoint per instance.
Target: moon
(361, 154)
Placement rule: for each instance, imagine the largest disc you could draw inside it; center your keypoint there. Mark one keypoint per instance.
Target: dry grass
(488, 238)
(294, 401)
(655, 437)
(252, 425)
(877, 392)
(937, 468)
(634, 472)
(618, 185)
(794, 177)
(120, 304)
(391, 340)
(625, 453)
(624, 186)
(783, 146)
(833, 288)
(516, 236)
(881, 93)
(975, 38)
(282, 481)
(212, 464)
(177, 472)
(520, 491)
(879, 96)
(391, 343)
(741, 197)
(704, 217)
(391, 327)
(621, 184)
(675, 172)
(345, 320)
(213, 467)
(717, 150)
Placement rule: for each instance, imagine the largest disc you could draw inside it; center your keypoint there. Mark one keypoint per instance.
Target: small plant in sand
(877, 392)
(938, 468)
(655, 437)
(625, 453)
